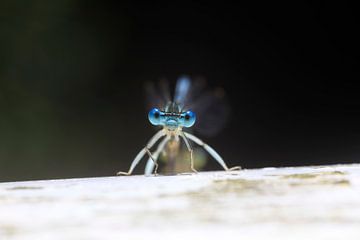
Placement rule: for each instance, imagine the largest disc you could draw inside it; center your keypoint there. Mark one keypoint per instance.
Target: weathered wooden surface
(283, 203)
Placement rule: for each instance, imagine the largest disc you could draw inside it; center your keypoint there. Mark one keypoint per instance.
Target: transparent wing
(157, 94)
(210, 106)
(182, 90)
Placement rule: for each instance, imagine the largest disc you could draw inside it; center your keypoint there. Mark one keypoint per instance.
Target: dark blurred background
(72, 75)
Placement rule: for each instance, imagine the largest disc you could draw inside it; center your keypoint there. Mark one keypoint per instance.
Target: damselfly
(174, 116)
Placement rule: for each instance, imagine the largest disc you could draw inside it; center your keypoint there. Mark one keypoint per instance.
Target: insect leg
(153, 161)
(211, 151)
(141, 154)
(190, 150)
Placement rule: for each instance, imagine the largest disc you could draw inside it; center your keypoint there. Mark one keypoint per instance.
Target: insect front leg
(187, 143)
(211, 151)
(142, 152)
(151, 161)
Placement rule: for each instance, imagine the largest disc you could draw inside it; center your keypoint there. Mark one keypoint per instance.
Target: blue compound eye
(188, 118)
(155, 116)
